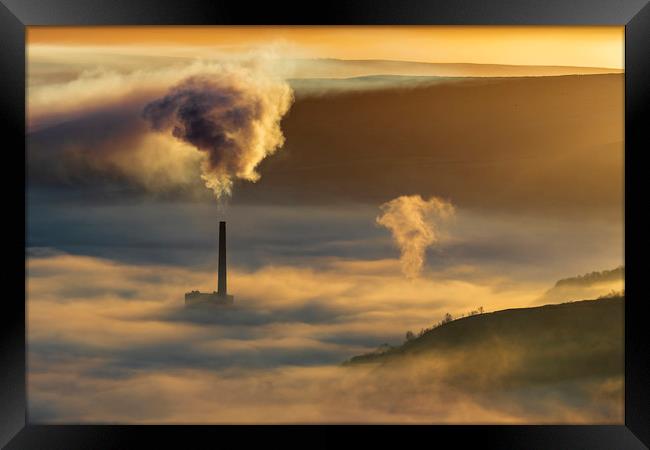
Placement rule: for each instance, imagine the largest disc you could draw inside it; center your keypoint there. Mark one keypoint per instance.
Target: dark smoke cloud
(233, 117)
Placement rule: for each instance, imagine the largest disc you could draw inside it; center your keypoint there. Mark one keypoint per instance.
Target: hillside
(490, 144)
(551, 343)
(557, 139)
(589, 285)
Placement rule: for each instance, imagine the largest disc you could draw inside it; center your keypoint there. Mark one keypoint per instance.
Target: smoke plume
(232, 116)
(412, 221)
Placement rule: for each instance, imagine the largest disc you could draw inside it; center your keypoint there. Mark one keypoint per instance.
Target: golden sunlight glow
(595, 46)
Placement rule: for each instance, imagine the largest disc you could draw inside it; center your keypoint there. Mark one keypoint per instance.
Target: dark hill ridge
(552, 343)
(593, 278)
(562, 136)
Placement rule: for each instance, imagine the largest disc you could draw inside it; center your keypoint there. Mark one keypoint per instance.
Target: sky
(597, 46)
(373, 179)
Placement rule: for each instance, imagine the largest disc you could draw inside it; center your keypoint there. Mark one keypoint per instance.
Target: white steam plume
(413, 224)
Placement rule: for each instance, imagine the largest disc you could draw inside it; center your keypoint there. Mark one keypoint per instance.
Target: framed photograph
(311, 224)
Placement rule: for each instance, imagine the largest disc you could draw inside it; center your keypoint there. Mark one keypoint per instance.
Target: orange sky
(597, 46)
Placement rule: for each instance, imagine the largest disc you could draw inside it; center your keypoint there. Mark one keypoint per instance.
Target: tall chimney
(222, 290)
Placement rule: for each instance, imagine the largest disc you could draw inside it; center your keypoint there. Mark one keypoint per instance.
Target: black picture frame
(16, 432)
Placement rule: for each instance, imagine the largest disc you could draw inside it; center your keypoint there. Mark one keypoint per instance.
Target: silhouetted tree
(410, 336)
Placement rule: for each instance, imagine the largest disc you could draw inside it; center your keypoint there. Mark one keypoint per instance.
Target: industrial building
(220, 297)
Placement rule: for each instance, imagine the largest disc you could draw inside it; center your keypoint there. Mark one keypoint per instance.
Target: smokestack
(222, 289)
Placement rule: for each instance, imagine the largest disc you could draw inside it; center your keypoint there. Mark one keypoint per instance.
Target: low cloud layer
(233, 117)
(413, 223)
(118, 338)
(317, 394)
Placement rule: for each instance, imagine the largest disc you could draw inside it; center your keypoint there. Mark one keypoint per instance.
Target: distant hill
(345, 68)
(458, 139)
(547, 344)
(589, 285)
